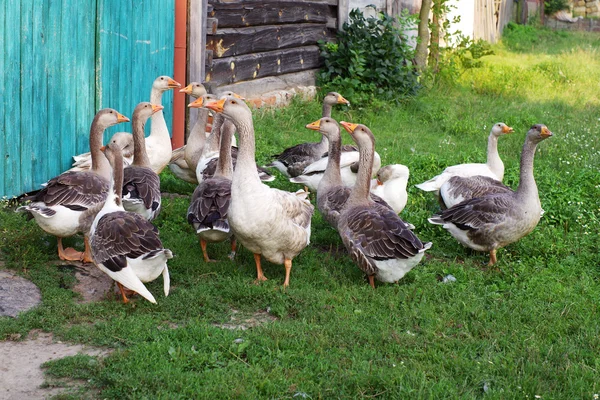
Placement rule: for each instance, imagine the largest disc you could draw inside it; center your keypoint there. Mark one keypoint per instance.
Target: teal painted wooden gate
(61, 62)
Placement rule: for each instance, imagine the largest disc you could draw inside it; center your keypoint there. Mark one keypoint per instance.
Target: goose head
(201, 101)
(229, 93)
(391, 172)
(125, 142)
(500, 128)
(108, 117)
(332, 98)
(232, 108)
(194, 89)
(538, 132)
(327, 126)
(164, 83)
(145, 109)
(360, 133)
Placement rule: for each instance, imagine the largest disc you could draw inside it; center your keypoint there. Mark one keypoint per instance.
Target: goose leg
(203, 246)
(492, 258)
(288, 268)
(259, 273)
(69, 254)
(122, 289)
(372, 281)
(233, 248)
(87, 254)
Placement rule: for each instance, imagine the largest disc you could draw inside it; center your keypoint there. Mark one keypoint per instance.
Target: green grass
(528, 329)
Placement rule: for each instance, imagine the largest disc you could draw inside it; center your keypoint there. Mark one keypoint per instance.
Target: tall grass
(529, 328)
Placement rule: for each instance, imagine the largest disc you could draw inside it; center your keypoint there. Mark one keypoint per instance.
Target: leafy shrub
(553, 6)
(371, 60)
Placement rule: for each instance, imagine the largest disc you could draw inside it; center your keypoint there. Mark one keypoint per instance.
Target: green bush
(371, 61)
(553, 6)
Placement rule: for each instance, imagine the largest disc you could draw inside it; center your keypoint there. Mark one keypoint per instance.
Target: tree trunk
(421, 51)
(434, 46)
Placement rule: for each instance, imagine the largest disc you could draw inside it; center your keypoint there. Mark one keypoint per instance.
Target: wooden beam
(235, 15)
(197, 49)
(237, 41)
(258, 65)
(179, 67)
(343, 12)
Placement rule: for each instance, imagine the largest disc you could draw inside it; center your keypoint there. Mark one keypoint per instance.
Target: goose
(292, 161)
(331, 193)
(494, 168)
(63, 207)
(390, 185)
(208, 208)
(123, 139)
(184, 160)
(158, 144)
(125, 245)
(493, 221)
(349, 162)
(207, 161)
(267, 221)
(379, 242)
(141, 185)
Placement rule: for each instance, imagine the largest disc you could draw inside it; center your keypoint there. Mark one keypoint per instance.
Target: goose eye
(233, 102)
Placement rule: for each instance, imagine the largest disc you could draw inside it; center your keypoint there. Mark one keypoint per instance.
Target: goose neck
(196, 139)
(493, 158)
(333, 176)
(140, 155)
(527, 187)
(159, 125)
(100, 164)
(224, 164)
(213, 140)
(360, 192)
(245, 166)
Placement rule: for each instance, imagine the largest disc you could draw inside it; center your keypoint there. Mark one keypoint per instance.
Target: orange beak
(342, 100)
(379, 183)
(198, 103)
(545, 132)
(315, 126)
(173, 84)
(156, 108)
(121, 118)
(349, 126)
(507, 129)
(187, 89)
(102, 148)
(216, 106)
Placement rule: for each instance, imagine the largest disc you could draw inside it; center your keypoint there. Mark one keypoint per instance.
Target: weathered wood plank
(3, 97)
(68, 53)
(197, 29)
(237, 41)
(252, 13)
(27, 109)
(219, 3)
(12, 90)
(258, 65)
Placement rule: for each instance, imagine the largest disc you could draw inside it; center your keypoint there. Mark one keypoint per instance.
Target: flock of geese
(112, 194)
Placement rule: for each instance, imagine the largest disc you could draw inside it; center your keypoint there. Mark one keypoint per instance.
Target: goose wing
(141, 184)
(210, 204)
(475, 213)
(75, 190)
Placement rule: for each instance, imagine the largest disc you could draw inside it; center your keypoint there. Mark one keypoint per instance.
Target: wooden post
(197, 49)
(343, 12)
(179, 69)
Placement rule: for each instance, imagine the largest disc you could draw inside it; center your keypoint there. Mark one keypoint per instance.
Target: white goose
(141, 185)
(268, 222)
(63, 207)
(379, 242)
(158, 144)
(493, 221)
(125, 245)
(390, 185)
(494, 167)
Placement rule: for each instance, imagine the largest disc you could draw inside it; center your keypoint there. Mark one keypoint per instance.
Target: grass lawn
(529, 328)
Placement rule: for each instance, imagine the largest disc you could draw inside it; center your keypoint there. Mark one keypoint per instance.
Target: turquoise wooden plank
(55, 96)
(28, 101)
(39, 82)
(12, 120)
(3, 98)
(85, 74)
(68, 54)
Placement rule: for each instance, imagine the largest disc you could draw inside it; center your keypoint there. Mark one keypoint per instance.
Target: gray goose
(332, 193)
(460, 188)
(267, 221)
(141, 185)
(125, 245)
(493, 221)
(292, 161)
(208, 208)
(64, 206)
(379, 242)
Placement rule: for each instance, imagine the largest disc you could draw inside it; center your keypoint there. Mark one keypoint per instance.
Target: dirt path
(20, 370)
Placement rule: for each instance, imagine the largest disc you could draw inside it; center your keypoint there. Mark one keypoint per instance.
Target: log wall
(250, 39)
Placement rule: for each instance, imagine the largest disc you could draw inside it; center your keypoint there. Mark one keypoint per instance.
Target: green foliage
(371, 61)
(529, 38)
(553, 6)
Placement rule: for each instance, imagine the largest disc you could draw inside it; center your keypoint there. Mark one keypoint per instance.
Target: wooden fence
(61, 62)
